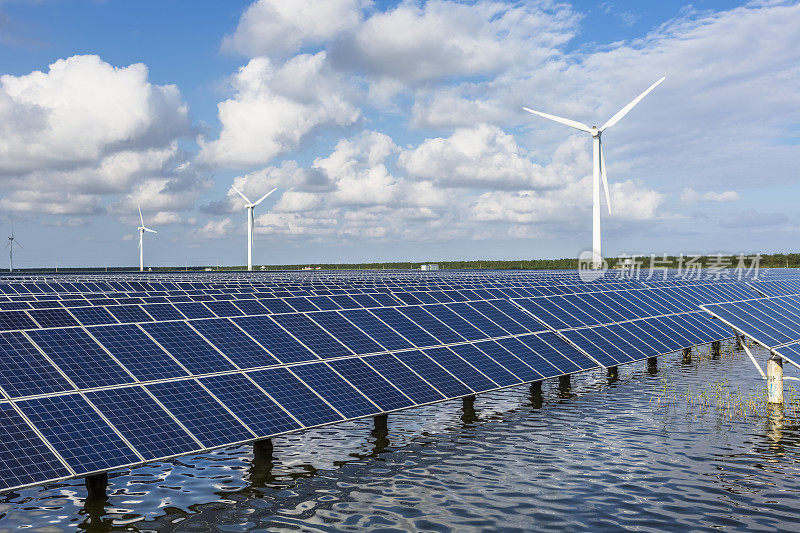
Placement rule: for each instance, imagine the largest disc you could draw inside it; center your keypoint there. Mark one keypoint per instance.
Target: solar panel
(200, 413)
(24, 371)
(92, 316)
(251, 404)
(12, 320)
(140, 355)
(485, 364)
(144, 423)
(431, 324)
(346, 333)
(457, 366)
(444, 381)
(129, 313)
(308, 408)
(335, 390)
(234, 343)
(375, 387)
(24, 458)
(270, 335)
(508, 361)
(185, 345)
(53, 318)
(83, 361)
(310, 334)
(413, 386)
(376, 329)
(78, 433)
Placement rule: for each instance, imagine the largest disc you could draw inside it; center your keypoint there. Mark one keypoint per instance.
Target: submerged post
(536, 387)
(715, 349)
(381, 422)
(652, 365)
(612, 373)
(775, 380)
(564, 381)
(262, 449)
(96, 486)
(468, 414)
(687, 355)
(468, 402)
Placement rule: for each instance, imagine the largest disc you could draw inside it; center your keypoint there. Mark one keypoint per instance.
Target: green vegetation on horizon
(767, 261)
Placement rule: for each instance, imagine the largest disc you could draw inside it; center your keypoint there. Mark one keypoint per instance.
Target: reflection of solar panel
(174, 364)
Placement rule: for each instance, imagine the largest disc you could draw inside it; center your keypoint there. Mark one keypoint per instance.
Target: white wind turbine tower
(142, 229)
(250, 206)
(11, 242)
(598, 164)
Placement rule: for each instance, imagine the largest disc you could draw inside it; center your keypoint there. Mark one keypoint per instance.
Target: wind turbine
(598, 164)
(11, 242)
(142, 229)
(250, 206)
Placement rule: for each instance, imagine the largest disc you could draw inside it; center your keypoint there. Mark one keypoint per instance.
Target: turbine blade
(624, 111)
(265, 196)
(140, 214)
(605, 177)
(150, 230)
(240, 193)
(571, 123)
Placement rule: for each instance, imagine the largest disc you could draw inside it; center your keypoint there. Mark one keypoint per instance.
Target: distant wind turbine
(11, 242)
(142, 229)
(598, 164)
(250, 206)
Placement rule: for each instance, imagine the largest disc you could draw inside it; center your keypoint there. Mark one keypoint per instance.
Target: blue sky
(394, 130)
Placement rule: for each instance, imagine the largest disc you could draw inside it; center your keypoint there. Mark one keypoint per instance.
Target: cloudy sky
(394, 131)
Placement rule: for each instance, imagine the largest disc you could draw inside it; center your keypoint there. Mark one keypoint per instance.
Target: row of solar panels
(31, 362)
(134, 406)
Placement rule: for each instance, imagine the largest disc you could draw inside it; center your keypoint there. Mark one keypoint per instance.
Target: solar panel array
(100, 372)
(772, 322)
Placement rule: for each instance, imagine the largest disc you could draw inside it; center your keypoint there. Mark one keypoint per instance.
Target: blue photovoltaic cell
(276, 305)
(489, 328)
(518, 315)
(431, 324)
(405, 327)
(11, 320)
(163, 312)
(377, 389)
(143, 357)
(337, 392)
(561, 354)
(348, 302)
(194, 310)
(221, 308)
(185, 345)
(498, 317)
(375, 328)
(24, 457)
(385, 299)
(324, 303)
(80, 435)
(24, 371)
(404, 379)
(508, 360)
(53, 318)
(347, 333)
(301, 304)
(294, 396)
(272, 337)
(234, 343)
(200, 413)
(144, 423)
(486, 365)
(310, 334)
(364, 300)
(250, 404)
(129, 313)
(532, 358)
(93, 316)
(576, 337)
(436, 375)
(475, 380)
(80, 357)
(456, 323)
